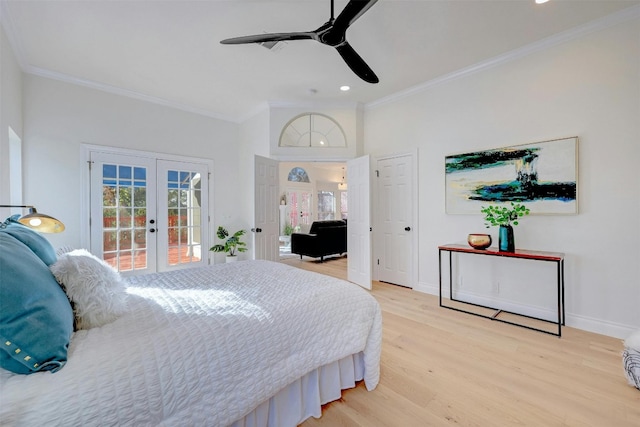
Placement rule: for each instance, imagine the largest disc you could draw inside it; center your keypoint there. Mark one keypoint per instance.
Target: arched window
(298, 175)
(312, 130)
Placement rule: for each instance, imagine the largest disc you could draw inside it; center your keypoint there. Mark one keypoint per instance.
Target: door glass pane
(124, 216)
(140, 258)
(140, 218)
(139, 194)
(125, 240)
(184, 217)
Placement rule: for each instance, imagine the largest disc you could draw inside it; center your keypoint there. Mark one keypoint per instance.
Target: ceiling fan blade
(352, 11)
(272, 37)
(356, 63)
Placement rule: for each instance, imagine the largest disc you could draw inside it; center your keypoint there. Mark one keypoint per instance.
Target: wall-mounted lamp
(37, 221)
(342, 186)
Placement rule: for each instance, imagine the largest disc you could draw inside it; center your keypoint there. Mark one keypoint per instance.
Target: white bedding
(201, 346)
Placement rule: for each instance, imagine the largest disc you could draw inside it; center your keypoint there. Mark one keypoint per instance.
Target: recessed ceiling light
(344, 88)
(541, 1)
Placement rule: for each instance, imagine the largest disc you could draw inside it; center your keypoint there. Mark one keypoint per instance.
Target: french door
(148, 214)
(300, 208)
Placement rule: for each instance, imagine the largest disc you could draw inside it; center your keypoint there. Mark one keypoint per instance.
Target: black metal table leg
(440, 276)
(556, 257)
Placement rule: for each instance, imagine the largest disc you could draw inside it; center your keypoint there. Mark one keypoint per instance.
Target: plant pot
(232, 258)
(506, 241)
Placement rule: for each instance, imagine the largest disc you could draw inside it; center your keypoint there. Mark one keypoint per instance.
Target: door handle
(256, 230)
(407, 229)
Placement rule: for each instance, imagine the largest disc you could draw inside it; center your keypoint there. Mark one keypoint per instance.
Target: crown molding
(264, 106)
(9, 29)
(314, 104)
(124, 92)
(608, 21)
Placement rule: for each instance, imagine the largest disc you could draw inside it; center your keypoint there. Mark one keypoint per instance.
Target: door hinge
(378, 261)
(377, 173)
(90, 162)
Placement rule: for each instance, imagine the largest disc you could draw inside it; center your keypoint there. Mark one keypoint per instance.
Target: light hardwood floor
(441, 368)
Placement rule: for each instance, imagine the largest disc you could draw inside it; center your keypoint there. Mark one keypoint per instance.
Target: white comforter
(200, 347)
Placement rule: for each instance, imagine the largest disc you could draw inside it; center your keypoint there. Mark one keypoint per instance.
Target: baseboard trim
(585, 323)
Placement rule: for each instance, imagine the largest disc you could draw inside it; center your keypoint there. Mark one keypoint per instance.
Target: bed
(251, 343)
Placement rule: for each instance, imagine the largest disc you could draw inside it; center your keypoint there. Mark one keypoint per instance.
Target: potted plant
(231, 245)
(288, 229)
(505, 217)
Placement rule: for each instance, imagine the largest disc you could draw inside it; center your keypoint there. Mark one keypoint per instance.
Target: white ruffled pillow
(95, 289)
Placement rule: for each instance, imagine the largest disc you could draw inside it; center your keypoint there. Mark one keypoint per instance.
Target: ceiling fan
(331, 33)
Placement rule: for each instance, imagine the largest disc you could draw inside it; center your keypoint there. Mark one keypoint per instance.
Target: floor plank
(440, 367)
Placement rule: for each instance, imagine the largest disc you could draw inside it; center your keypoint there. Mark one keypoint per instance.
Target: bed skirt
(304, 397)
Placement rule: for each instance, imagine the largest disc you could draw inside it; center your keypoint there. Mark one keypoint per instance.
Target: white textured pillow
(93, 286)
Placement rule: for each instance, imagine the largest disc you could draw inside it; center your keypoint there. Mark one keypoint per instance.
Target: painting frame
(541, 175)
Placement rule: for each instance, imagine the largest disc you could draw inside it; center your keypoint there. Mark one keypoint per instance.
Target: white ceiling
(169, 51)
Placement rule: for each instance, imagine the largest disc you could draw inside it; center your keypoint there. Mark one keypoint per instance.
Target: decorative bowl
(479, 241)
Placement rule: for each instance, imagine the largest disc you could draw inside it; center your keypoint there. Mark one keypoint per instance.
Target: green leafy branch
(503, 215)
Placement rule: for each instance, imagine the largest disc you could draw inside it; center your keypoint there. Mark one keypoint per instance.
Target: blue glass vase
(506, 242)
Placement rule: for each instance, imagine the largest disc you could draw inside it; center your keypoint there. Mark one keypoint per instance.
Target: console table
(557, 258)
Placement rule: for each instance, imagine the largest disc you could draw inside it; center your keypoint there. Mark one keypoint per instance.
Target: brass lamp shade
(37, 221)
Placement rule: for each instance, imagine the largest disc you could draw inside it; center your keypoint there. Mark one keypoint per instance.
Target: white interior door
(359, 222)
(396, 220)
(267, 209)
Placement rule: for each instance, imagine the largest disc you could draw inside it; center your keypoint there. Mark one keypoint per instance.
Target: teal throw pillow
(36, 318)
(34, 240)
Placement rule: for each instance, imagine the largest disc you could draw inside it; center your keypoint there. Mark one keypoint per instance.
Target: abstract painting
(542, 175)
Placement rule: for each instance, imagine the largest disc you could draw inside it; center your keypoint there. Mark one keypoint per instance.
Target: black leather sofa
(324, 238)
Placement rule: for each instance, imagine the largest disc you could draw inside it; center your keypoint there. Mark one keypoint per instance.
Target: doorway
(148, 214)
(310, 191)
(396, 242)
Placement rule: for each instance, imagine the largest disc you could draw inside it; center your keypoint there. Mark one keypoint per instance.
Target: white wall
(10, 115)
(588, 87)
(59, 117)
